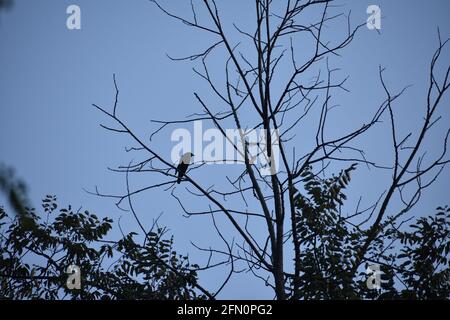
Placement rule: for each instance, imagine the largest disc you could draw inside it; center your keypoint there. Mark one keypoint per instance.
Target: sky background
(50, 76)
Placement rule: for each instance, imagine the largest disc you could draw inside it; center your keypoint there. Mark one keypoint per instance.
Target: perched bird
(183, 165)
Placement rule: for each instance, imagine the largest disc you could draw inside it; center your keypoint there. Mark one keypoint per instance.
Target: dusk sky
(50, 76)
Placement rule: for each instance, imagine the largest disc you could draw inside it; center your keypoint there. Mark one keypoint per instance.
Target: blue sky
(50, 76)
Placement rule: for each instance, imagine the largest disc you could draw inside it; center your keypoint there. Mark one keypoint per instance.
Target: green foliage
(414, 263)
(14, 189)
(35, 252)
(425, 264)
(5, 4)
(325, 240)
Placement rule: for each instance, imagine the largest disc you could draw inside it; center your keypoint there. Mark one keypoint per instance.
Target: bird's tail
(179, 179)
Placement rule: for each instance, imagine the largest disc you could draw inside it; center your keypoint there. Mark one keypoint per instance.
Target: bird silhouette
(183, 165)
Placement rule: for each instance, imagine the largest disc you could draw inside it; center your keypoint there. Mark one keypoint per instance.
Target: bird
(183, 165)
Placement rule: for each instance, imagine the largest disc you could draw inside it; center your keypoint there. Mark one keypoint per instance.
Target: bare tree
(249, 98)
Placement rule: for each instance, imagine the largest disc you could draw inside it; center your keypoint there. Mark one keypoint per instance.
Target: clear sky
(50, 76)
